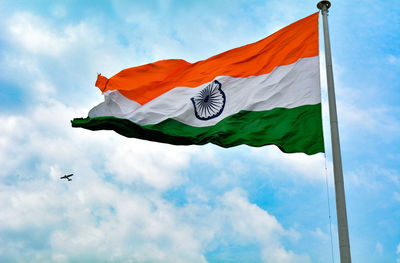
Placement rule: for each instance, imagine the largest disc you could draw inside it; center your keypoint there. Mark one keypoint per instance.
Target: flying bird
(67, 177)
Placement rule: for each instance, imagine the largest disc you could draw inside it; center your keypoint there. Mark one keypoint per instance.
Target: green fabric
(292, 130)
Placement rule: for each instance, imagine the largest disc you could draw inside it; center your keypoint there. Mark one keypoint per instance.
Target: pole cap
(323, 4)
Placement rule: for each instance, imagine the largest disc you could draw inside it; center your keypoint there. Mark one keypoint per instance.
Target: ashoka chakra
(210, 101)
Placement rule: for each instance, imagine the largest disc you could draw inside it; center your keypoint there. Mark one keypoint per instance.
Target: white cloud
(23, 206)
(253, 224)
(280, 255)
(48, 60)
(224, 179)
(318, 233)
(34, 35)
(249, 220)
(231, 173)
(100, 222)
(158, 165)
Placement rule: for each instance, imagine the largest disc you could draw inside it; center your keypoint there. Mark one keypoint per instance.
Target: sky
(137, 201)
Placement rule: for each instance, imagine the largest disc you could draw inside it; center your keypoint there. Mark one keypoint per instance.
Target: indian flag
(263, 93)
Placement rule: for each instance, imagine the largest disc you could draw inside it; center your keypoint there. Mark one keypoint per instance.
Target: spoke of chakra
(208, 111)
(214, 106)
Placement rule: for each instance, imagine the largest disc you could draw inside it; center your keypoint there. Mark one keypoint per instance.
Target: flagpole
(343, 232)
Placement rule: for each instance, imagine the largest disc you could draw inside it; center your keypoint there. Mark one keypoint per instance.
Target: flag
(263, 93)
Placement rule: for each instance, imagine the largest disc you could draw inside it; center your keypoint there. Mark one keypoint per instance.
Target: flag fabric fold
(267, 92)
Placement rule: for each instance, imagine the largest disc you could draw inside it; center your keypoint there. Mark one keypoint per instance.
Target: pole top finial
(324, 4)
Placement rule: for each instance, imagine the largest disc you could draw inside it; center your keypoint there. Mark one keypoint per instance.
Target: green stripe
(292, 130)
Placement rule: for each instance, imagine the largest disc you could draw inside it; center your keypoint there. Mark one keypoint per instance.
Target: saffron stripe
(145, 83)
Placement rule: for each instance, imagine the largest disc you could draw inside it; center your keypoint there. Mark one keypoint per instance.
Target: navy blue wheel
(210, 101)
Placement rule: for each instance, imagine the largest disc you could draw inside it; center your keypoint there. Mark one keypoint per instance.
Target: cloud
(157, 166)
(252, 224)
(135, 228)
(48, 59)
(99, 222)
(322, 236)
(34, 35)
(257, 225)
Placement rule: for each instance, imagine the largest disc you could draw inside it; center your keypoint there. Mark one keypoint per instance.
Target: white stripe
(115, 104)
(287, 86)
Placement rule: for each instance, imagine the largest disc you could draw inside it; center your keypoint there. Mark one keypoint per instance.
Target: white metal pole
(343, 232)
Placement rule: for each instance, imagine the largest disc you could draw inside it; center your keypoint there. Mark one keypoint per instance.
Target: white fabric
(287, 86)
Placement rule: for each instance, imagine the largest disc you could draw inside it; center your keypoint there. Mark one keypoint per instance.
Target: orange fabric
(145, 83)
(101, 82)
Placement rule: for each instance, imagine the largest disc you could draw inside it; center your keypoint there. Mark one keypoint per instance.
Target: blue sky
(138, 201)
